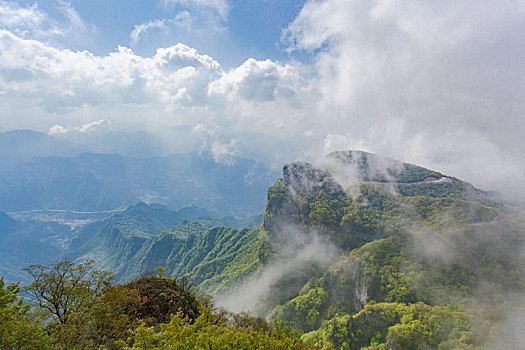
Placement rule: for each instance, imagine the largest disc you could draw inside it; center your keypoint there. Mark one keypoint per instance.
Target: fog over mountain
(42, 172)
(354, 169)
(437, 84)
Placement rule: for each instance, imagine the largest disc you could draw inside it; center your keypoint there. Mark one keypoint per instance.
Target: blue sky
(230, 31)
(439, 84)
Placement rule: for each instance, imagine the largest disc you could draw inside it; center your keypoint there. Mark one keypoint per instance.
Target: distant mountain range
(358, 251)
(40, 171)
(25, 242)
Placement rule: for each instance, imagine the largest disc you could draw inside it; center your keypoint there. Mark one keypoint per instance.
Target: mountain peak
(369, 167)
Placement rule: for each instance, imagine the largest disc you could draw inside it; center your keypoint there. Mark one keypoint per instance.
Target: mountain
(361, 251)
(23, 145)
(357, 251)
(97, 182)
(145, 237)
(25, 242)
(419, 259)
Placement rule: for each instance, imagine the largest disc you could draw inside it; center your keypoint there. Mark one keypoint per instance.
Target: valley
(355, 252)
(232, 174)
(71, 218)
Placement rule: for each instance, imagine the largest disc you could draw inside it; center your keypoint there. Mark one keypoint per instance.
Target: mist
(299, 252)
(438, 85)
(470, 244)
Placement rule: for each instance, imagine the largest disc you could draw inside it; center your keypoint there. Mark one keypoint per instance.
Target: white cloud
(61, 79)
(220, 6)
(433, 82)
(182, 20)
(176, 77)
(95, 124)
(141, 29)
(91, 126)
(76, 23)
(259, 81)
(57, 129)
(30, 22)
(27, 21)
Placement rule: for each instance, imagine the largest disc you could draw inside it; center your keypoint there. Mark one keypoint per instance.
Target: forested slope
(189, 241)
(357, 251)
(424, 259)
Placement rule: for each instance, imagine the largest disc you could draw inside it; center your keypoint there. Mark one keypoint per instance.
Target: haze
(439, 84)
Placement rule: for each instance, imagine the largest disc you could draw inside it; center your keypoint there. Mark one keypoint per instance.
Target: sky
(435, 83)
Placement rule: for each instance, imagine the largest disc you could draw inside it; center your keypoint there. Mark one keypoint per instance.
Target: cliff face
(397, 233)
(354, 251)
(355, 197)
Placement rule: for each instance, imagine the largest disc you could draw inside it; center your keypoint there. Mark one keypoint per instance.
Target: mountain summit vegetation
(419, 259)
(355, 252)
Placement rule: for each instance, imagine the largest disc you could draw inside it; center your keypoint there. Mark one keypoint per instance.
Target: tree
(164, 297)
(17, 329)
(207, 332)
(66, 288)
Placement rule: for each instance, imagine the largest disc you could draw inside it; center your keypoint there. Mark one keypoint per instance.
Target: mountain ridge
(355, 252)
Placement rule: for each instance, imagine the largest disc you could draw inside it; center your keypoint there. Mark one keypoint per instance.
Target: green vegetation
(19, 327)
(187, 242)
(80, 310)
(396, 326)
(210, 332)
(423, 264)
(418, 261)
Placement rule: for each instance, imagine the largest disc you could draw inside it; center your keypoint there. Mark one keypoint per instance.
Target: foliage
(161, 297)
(19, 329)
(152, 312)
(66, 288)
(396, 326)
(206, 332)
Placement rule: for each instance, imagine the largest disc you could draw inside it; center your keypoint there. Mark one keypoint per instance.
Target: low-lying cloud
(298, 251)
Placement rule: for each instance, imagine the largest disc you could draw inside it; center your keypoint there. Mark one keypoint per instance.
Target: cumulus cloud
(61, 79)
(259, 81)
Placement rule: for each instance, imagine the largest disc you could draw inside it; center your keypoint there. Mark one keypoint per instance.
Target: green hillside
(425, 260)
(356, 252)
(189, 241)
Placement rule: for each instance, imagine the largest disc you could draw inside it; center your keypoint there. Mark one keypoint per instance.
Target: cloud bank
(434, 83)
(438, 84)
